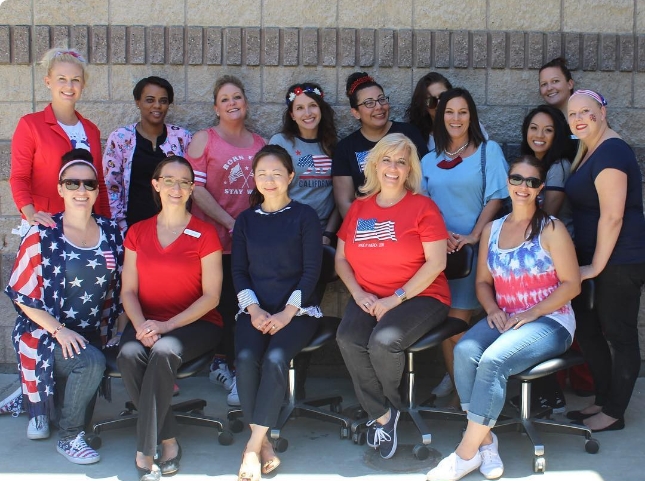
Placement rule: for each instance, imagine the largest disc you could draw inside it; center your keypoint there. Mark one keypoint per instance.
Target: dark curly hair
(362, 81)
(327, 135)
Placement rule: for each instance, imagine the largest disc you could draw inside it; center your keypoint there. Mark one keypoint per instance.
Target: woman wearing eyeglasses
(466, 177)
(527, 275)
(65, 286)
(172, 279)
(371, 107)
(41, 139)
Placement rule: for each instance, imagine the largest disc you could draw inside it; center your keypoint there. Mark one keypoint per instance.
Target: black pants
(262, 364)
(374, 352)
(614, 321)
(227, 308)
(149, 375)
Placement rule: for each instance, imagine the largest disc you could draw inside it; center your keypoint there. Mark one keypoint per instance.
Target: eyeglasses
(432, 102)
(74, 184)
(371, 103)
(171, 182)
(531, 182)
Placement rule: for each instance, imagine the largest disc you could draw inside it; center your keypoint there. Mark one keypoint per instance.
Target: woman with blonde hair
(391, 255)
(222, 157)
(41, 139)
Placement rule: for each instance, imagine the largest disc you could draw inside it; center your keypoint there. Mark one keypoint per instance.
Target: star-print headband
(292, 94)
(76, 162)
(594, 95)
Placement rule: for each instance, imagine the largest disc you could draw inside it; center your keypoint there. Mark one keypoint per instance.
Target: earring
(217, 114)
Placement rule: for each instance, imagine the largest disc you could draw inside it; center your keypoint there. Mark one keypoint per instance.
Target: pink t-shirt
(226, 172)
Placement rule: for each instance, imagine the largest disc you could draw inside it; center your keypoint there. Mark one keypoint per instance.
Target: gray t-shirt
(312, 184)
(555, 180)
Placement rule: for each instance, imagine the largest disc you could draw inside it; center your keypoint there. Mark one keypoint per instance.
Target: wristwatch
(400, 293)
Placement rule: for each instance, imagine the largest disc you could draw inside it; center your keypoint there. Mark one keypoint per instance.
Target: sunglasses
(74, 184)
(531, 182)
(170, 182)
(432, 102)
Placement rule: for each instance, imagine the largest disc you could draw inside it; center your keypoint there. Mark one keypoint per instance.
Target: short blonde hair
(391, 143)
(69, 55)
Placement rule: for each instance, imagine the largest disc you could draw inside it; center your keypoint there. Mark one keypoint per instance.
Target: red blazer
(36, 149)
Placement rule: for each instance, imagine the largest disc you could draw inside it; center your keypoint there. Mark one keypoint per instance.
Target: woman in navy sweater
(276, 259)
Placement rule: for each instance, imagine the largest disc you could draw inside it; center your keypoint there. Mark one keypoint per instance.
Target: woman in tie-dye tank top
(527, 274)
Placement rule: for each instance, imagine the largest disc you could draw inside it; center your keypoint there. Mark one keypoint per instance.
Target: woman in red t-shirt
(172, 279)
(391, 255)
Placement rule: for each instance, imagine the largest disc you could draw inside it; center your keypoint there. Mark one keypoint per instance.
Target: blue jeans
(485, 358)
(78, 378)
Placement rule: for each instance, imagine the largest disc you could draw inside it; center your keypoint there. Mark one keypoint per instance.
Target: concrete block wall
(491, 47)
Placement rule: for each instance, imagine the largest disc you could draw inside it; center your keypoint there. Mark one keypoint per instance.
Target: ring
(273, 326)
(366, 304)
(148, 331)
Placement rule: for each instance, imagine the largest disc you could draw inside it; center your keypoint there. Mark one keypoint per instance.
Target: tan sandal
(249, 471)
(271, 462)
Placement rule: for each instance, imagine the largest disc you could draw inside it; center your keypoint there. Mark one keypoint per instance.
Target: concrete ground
(315, 450)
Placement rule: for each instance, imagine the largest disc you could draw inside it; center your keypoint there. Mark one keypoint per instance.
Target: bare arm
(485, 287)
(333, 223)
(553, 200)
(611, 185)
(344, 193)
(457, 240)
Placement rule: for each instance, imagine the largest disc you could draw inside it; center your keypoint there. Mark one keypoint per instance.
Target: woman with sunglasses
(527, 275)
(466, 177)
(65, 286)
(42, 138)
(133, 152)
(606, 192)
(170, 322)
(371, 107)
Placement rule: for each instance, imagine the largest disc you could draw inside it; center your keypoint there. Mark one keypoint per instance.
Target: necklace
(389, 203)
(458, 151)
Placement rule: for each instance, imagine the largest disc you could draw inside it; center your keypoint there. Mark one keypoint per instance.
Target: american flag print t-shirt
(384, 245)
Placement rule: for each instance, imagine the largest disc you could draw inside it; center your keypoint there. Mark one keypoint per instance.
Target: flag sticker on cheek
(592, 117)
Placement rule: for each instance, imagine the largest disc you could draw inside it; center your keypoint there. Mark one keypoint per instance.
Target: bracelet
(119, 333)
(57, 329)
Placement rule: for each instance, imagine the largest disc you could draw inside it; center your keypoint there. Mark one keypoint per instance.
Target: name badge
(193, 233)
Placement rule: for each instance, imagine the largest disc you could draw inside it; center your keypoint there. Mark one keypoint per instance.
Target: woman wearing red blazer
(41, 139)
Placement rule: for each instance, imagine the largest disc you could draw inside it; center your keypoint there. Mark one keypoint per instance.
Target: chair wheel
(225, 438)
(336, 408)
(344, 432)
(93, 441)
(421, 452)
(125, 412)
(236, 425)
(359, 413)
(360, 438)
(539, 464)
(280, 445)
(592, 446)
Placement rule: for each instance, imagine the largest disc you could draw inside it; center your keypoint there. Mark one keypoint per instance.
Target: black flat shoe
(579, 415)
(171, 466)
(617, 425)
(145, 474)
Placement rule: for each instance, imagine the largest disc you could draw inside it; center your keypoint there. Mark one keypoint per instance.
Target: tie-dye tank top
(523, 276)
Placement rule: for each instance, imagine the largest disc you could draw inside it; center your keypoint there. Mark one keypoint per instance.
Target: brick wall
(491, 47)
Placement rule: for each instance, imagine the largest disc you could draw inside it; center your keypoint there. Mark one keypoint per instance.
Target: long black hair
(327, 135)
(562, 147)
(540, 218)
(256, 197)
(417, 112)
(441, 136)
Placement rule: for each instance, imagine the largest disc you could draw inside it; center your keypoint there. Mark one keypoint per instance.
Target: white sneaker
(38, 427)
(12, 404)
(233, 399)
(492, 466)
(222, 375)
(453, 468)
(444, 388)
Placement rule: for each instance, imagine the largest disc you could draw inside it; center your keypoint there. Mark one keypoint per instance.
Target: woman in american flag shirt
(65, 286)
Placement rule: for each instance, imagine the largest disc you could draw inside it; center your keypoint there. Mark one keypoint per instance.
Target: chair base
(189, 412)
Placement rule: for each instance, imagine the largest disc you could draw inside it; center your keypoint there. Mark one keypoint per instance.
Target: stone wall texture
(491, 47)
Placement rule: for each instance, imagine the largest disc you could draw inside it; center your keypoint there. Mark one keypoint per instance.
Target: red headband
(358, 82)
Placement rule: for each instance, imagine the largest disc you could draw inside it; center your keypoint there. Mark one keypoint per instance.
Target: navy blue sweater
(275, 254)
